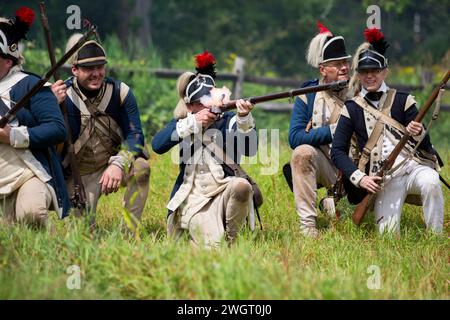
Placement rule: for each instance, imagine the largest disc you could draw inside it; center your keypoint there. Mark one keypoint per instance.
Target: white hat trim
(188, 100)
(378, 54)
(7, 49)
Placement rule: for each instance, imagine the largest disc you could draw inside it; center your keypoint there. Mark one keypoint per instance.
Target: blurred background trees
(271, 35)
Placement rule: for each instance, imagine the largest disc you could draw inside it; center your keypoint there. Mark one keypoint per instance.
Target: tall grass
(276, 263)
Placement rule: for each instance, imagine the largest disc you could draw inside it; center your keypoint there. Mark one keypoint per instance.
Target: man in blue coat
(312, 128)
(208, 200)
(31, 179)
(106, 131)
(379, 116)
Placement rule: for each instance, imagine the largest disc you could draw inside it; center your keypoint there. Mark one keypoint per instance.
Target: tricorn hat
(90, 54)
(326, 47)
(200, 86)
(373, 57)
(14, 30)
(203, 82)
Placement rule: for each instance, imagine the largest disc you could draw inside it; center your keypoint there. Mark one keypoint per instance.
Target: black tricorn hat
(90, 54)
(198, 87)
(374, 56)
(203, 82)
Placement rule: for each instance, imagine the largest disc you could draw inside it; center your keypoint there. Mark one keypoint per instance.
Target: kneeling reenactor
(208, 200)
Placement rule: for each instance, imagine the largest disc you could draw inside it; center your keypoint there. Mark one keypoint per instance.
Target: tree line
(271, 35)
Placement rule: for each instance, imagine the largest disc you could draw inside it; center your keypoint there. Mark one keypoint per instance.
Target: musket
(78, 198)
(338, 192)
(38, 86)
(335, 86)
(368, 200)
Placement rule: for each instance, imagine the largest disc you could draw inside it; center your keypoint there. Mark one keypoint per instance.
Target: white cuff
(356, 177)
(246, 123)
(19, 137)
(187, 126)
(421, 135)
(123, 160)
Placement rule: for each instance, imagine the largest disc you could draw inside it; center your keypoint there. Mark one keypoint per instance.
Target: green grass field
(276, 263)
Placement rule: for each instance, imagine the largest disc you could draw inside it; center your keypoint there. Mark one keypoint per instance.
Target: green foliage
(271, 35)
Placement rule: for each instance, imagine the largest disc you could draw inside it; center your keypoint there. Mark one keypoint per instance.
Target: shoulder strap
(380, 116)
(11, 81)
(309, 125)
(338, 104)
(123, 89)
(6, 86)
(111, 128)
(378, 129)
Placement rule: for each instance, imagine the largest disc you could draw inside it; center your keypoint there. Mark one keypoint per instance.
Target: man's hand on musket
(111, 179)
(59, 89)
(414, 128)
(205, 117)
(243, 107)
(371, 183)
(4, 134)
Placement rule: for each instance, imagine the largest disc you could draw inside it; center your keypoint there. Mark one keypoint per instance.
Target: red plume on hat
(322, 28)
(25, 15)
(204, 59)
(376, 38)
(205, 64)
(24, 20)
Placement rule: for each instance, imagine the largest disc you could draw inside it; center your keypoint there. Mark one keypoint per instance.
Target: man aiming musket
(208, 200)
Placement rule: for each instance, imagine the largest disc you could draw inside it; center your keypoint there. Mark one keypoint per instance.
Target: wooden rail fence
(238, 77)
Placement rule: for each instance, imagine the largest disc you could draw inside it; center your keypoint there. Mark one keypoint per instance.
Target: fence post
(238, 69)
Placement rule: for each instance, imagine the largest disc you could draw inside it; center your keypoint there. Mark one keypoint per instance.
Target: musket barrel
(48, 38)
(285, 94)
(432, 98)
